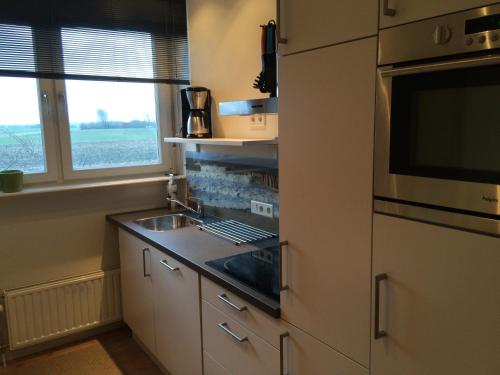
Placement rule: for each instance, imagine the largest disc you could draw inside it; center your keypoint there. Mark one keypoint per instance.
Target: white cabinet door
(325, 161)
(212, 367)
(316, 23)
(177, 315)
(235, 347)
(440, 304)
(137, 288)
(304, 355)
(414, 10)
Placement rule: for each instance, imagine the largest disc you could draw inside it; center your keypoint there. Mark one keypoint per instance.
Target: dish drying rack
(236, 232)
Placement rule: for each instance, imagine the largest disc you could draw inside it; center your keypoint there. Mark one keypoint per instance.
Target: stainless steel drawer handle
(224, 327)
(388, 11)
(283, 286)
(377, 332)
(441, 65)
(282, 354)
(168, 266)
(223, 297)
(145, 274)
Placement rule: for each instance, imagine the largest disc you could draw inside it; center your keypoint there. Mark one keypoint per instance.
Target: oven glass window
(447, 125)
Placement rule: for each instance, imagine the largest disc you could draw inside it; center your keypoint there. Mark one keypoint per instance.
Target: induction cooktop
(258, 269)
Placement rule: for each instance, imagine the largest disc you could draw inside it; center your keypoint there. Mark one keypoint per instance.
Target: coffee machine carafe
(196, 116)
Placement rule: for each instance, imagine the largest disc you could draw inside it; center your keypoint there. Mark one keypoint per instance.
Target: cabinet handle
(278, 23)
(223, 297)
(282, 286)
(377, 332)
(388, 11)
(282, 345)
(144, 262)
(224, 327)
(168, 266)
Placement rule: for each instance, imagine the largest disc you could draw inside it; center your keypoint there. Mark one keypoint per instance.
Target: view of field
(112, 124)
(21, 147)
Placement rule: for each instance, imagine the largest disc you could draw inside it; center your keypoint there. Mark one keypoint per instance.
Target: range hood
(249, 107)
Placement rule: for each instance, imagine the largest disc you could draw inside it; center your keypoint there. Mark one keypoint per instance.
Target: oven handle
(440, 66)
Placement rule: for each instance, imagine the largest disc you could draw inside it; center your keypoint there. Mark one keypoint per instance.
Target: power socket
(261, 208)
(258, 121)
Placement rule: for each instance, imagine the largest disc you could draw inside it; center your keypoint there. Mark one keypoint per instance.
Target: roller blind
(132, 40)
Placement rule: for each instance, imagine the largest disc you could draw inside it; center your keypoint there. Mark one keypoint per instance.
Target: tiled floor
(112, 353)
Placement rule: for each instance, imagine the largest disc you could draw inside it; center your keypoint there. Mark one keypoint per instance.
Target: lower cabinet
(439, 300)
(161, 304)
(241, 339)
(304, 355)
(137, 288)
(235, 347)
(212, 367)
(177, 315)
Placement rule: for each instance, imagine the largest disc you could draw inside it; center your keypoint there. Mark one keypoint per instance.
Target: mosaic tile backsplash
(227, 183)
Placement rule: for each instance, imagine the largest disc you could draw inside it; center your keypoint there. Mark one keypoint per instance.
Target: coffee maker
(196, 112)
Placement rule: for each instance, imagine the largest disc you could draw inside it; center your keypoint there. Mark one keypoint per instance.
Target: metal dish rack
(236, 232)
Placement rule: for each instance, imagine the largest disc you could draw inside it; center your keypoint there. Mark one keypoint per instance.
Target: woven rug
(90, 359)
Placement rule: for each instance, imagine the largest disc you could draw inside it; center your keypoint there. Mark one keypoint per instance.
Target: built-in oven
(437, 138)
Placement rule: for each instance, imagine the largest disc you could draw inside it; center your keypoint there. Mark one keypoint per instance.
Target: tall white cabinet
(317, 23)
(325, 155)
(440, 302)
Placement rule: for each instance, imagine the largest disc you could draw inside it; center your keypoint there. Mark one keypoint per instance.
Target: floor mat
(92, 359)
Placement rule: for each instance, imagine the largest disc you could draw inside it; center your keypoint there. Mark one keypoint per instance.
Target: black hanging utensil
(266, 80)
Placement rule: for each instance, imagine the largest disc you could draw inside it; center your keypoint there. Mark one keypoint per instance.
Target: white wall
(225, 57)
(51, 236)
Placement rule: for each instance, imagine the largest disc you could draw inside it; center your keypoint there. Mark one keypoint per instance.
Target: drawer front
(250, 316)
(211, 367)
(249, 357)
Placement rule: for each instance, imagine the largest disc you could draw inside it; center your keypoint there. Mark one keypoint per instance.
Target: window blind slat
(95, 39)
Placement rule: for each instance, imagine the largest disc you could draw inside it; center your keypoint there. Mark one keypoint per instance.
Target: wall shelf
(222, 141)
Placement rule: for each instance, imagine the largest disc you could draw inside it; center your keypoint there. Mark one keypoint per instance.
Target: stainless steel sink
(167, 222)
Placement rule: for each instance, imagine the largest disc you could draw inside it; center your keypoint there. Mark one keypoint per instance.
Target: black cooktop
(258, 269)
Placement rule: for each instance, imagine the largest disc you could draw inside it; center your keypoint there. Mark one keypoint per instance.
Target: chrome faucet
(199, 205)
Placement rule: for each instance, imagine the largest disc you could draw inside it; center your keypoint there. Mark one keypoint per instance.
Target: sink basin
(167, 222)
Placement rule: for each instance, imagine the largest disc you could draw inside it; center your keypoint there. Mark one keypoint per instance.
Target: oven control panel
(458, 33)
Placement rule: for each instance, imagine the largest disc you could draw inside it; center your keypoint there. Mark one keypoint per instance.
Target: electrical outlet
(261, 208)
(258, 121)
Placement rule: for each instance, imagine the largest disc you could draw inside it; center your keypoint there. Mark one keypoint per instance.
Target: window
(27, 135)
(21, 129)
(86, 88)
(112, 124)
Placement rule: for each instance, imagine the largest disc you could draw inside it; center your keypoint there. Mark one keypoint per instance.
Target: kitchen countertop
(194, 247)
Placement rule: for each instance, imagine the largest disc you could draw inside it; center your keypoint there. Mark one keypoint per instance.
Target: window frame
(163, 94)
(49, 130)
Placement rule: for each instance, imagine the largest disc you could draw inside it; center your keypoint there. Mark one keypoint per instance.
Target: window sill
(71, 186)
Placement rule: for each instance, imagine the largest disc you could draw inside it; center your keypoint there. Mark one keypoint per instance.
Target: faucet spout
(199, 206)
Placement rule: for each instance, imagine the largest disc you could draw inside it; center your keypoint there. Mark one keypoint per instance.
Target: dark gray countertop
(193, 247)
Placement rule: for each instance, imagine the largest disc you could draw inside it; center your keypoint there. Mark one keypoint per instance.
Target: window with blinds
(87, 87)
(129, 40)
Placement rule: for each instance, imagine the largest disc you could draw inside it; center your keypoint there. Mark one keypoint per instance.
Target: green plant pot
(11, 181)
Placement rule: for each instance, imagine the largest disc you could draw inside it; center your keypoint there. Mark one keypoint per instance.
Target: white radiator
(47, 311)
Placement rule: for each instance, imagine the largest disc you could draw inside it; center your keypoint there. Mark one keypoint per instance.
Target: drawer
(249, 357)
(251, 317)
(211, 367)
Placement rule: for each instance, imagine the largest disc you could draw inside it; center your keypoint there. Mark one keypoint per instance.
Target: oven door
(437, 138)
